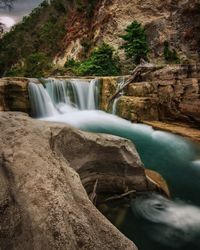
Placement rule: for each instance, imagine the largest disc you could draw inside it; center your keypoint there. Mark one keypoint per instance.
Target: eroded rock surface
(14, 94)
(171, 93)
(43, 204)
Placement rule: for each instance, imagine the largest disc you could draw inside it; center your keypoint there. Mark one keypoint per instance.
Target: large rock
(14, 94)
(43, 204)
(110, 160)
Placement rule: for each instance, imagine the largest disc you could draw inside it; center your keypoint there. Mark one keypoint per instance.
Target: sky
(21, 8)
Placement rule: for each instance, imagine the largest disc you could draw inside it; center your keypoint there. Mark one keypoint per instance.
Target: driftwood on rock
(143, 67)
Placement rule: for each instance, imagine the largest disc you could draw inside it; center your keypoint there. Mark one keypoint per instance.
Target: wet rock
(159, 181)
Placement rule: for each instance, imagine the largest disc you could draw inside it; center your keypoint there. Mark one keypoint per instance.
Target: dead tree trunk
(143, 67)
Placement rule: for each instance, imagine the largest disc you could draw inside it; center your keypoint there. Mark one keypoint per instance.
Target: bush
(170, 55)
(37, 65)
(135, 44)
(34, 65)
(102, 62)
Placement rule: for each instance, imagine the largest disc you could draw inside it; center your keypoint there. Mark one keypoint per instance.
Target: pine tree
(135, 44)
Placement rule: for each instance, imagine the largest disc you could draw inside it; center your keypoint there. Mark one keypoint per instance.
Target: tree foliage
(135, 42)
(42, 31)
(102, 62)
(34, 65)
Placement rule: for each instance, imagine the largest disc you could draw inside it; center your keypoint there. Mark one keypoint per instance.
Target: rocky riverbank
(181, 129)
(43, 204)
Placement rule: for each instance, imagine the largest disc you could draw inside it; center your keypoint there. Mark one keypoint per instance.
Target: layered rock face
(43, 204)
(175, 21)
(172, 93)
(14, 94)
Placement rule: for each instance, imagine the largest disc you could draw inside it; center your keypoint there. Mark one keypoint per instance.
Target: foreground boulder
(43, 204)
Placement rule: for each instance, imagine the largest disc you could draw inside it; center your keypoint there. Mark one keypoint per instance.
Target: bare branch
(141, 68)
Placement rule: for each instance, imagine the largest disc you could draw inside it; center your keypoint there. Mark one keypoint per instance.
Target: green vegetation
(40, 33)
(102, 62)
(135, 44)
(35, 65)
(170, 55)
(87, 6)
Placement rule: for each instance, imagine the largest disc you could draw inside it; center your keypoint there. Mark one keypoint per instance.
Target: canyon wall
(177, 22)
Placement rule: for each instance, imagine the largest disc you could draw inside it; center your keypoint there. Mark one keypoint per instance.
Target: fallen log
(143, 67)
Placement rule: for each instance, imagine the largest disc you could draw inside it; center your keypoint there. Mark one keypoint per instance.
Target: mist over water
(152, 221)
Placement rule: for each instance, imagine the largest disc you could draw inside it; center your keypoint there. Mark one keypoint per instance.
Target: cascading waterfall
(93, 95)
(41, 102)
(63, 96)
(114, 106)
(120, 83)
(173, 157)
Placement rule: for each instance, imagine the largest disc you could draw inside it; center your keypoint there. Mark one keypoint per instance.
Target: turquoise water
(153, 222)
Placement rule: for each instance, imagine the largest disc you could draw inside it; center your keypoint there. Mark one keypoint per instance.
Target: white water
(172, 223)
(41, 102)
(69, 102)
(120, 83)
(63, 96)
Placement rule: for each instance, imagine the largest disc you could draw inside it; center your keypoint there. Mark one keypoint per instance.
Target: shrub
(170, 55)
(135, 44)
(102, 62)
(37, 65)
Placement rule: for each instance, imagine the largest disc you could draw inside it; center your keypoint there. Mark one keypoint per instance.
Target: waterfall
(41, 103)
(81, 91)
(120, 83)
(114, 106)
(93, 95)
(63, 96)
(58, 91)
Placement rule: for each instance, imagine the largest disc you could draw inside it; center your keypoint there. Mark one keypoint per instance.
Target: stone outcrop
(14, 94)
(116, 166)
(171, 93)
(43, 204)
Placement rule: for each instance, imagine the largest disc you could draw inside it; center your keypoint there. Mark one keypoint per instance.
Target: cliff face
(177, 22)
(171, 93)
(71, 29)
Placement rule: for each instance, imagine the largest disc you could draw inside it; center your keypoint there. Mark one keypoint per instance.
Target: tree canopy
(135, 42)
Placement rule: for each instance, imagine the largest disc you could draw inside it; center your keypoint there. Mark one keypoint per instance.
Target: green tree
(102, 62)
(37, 65)
(135, 42)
